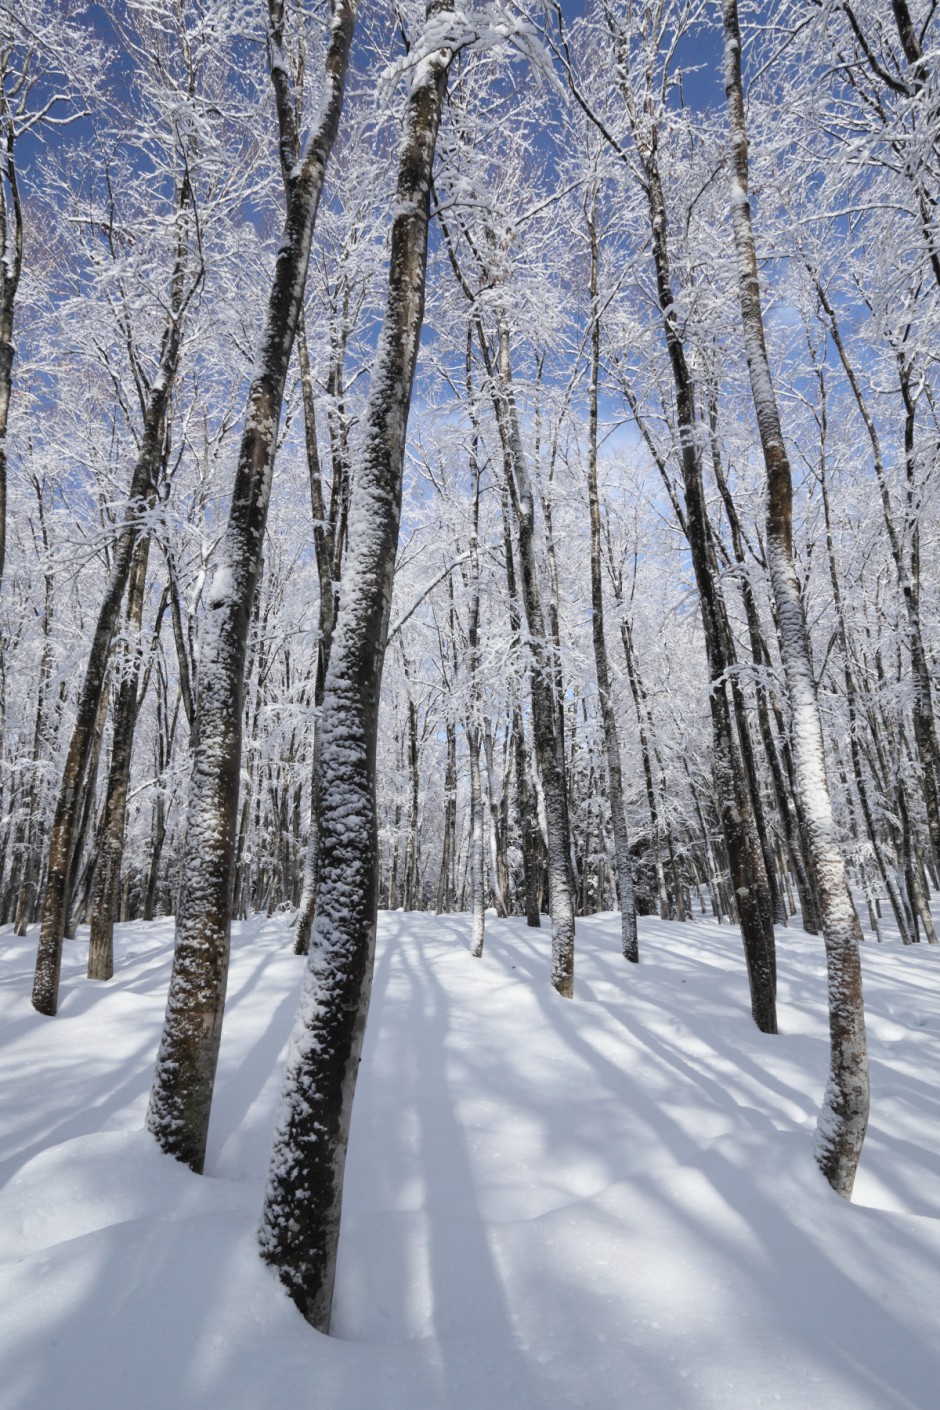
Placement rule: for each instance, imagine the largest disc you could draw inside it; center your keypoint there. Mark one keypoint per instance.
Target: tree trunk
(477, 883)
(445, 881)
(328, 542)
(844, 1116)
(561, 903)
(181, 1096)
(11, 265)
(144, 479)
(734, 803)
(618, 818)
(108, 870)
(300, 1222)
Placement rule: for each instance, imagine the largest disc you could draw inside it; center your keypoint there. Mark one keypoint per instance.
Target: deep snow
(610, 1202)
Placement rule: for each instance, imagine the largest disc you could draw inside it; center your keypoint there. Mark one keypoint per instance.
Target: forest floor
(608, 1203)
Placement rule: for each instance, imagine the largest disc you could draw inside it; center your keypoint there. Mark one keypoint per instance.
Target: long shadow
(238, 1087)
(875, 1341)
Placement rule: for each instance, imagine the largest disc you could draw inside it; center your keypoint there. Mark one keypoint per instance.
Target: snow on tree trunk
(328, 544)
(108, 869)
(611, 740)
(65, 821)
(181, 1096)
(844, 1115)
(477, 886)
(11, 264)
(737, 822)
(300, 1221)
(557, 831)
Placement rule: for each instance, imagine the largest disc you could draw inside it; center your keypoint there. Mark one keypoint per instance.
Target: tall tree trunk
(11, 266)
(328, 538)
(411, 846)
(181, 1096)
(183, 284)
(445, 881)
(844, 1116)
(499, 865)
(557, 841)
(526, 807)
(618, 818)
(761, 658)
(108, 870)
(477, 883)
(737, 821)
(300, 1221)
(27, 897)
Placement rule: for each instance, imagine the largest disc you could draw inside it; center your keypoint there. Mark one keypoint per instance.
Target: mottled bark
(737, 822)
(30, 859)
(477, 885)
(412, 843)
(74, 778)
(628, 936)
(11, 266)
(445, 880)
(106, 886)
(526, 806)
(300, 1222)
(844, 1115)
(185, 279)
(328, 539)
(557, 841)
(499, 865)
(181, 1096)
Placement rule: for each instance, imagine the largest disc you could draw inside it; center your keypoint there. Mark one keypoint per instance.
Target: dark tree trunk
(445, 882)
(844, 1116)
(143, 484)
(618, 818)
(181, 1095)
(108, 869)
(11, 265)
(542, 679)
(744, 853)
(300, 1222)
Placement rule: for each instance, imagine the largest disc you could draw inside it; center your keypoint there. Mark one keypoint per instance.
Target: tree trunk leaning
(181, 1097)
(300, 1221)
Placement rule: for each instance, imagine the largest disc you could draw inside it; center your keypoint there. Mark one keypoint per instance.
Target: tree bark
(328, 544)
(11, 266)
(184, 281)
(844, 1116)
(108, 870)
(300, 1221)
(734, 803)
(181, 1096)
(477, 884)
(629, 942)
(557, 841)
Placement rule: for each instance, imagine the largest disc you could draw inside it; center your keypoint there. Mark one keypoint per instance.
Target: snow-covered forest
(475, 458)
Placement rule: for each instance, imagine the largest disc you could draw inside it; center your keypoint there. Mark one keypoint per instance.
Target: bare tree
(300, 1221)
(181, 1097)
(844, 1115)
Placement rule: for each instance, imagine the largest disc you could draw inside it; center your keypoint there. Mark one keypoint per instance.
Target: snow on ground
(605, 1203)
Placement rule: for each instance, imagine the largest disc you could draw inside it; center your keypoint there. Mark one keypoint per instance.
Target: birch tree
(844, 1116)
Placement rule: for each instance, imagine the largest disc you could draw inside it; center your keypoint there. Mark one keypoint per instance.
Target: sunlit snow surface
(608, 1203)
